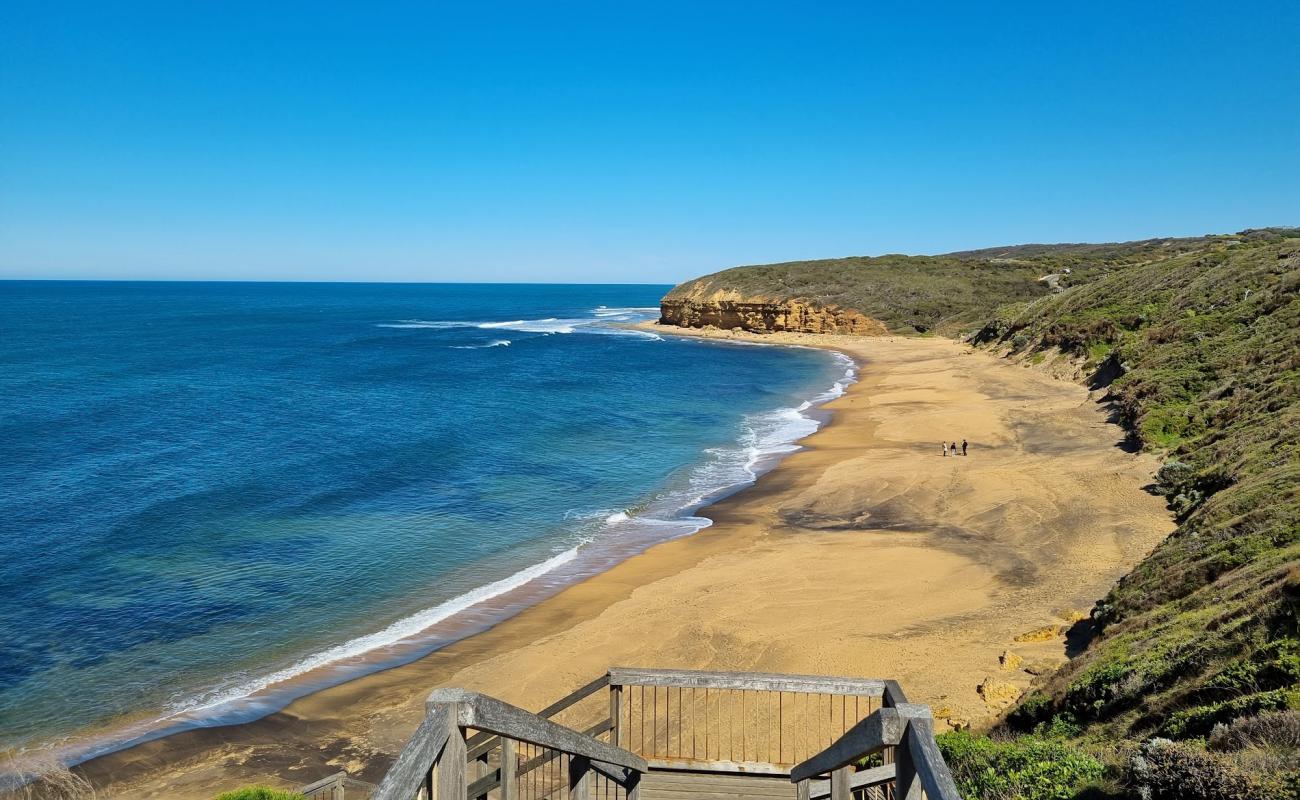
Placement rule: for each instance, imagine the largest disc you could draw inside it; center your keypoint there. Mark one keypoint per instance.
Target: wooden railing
(336, 787)
(918, 771)
(735, 721)
(517, 755)
(834, 738)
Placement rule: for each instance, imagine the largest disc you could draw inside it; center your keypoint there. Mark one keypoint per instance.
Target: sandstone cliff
(727, 309)
(951, 294)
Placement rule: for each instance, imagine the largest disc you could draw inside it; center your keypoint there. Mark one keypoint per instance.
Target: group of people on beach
(952, 448)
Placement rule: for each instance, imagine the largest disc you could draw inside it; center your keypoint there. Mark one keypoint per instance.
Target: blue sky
(628, 142)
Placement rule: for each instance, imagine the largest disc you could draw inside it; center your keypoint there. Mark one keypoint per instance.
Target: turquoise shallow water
(215, 497)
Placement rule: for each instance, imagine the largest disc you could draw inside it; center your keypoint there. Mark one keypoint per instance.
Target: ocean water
(217, 497)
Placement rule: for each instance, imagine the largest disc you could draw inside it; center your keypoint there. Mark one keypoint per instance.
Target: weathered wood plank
(509, 770)
(840, 784)
(893, 694)
(411, 769)
(580, 781)
(451, 767)
(931, 769)
(786, 790)
(323, 783)
(485, 713)
(493, 780)
(763, 786)
(721, 767)
(697, 679)
(574, 697)
(481, 743)
(881, 729)
(658, 785)
(615, 714)
(858, 780)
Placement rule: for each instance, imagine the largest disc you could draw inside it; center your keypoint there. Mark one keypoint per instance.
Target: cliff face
(761, 315)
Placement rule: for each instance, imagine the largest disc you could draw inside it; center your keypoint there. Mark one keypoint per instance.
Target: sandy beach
(867, 553)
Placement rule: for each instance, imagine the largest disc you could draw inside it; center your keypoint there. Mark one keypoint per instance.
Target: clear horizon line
(341, 280)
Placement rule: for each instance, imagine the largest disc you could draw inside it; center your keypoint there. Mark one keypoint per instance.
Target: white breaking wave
(764, 438)
(400, 630)
(604, 320)
(493, 343)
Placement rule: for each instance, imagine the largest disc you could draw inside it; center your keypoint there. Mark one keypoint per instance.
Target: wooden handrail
(901, 730)
(884, 728)
(865, 779)
(927, 762)
(481, 743)
(918, 763)
(323, 783)
(484, 713)
(759, 681)
(440, 741)
(337, 784)
(492, 780)
(411, 770)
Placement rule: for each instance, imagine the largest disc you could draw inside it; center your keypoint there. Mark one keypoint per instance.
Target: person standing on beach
(954, 449)
(945, 449)
(963, 447)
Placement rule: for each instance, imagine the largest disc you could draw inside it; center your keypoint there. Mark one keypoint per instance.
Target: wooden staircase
(643, 734)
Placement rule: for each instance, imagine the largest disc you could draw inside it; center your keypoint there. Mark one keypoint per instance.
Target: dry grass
(33, 777)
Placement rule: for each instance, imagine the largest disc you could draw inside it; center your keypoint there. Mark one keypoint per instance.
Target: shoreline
(845, 516)
(457, 618)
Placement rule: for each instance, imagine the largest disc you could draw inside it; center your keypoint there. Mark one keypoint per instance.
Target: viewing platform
(653, 734)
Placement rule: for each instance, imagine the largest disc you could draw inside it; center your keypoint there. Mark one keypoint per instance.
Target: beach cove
(866, 553)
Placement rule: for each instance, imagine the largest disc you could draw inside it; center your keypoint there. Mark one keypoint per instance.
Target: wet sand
(867, 553)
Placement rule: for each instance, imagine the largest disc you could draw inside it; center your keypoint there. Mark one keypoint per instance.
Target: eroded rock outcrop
(727, 310)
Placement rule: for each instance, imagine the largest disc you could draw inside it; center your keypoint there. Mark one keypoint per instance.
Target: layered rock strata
(760, 315)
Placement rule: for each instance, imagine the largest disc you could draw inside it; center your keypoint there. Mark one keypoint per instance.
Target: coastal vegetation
(920, 294)
(259, 793)
(1200, 356)
(1190, 684)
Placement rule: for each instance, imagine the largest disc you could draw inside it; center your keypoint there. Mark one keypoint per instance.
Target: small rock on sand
(1043, 634)
(1009, 660)
(996, 693)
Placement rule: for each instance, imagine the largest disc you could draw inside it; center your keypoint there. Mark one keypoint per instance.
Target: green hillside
(1200, 644)
(945, 293)
(1190, 686)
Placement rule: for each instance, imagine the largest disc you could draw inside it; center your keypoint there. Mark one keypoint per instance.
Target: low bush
(1166, 770)
(259, 793)
(1269, 729)
(1026, 768)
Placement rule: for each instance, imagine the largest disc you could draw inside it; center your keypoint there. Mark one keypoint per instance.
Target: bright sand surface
(866, 554)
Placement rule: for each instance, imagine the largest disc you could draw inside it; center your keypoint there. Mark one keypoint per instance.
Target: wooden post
(840, 789)
(336, 793)
(481, 769)
(451, 766)
(615, 712)
(580, 787)
(509, 770)
(633, 786)
(907, 785)
(803, 789)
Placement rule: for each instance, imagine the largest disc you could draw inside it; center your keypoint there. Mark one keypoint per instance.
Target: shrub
(1270, 729)
(259, 793)
(1027, 768)
(1165, 770)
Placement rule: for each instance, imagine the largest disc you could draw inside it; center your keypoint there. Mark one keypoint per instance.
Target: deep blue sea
(215, 497)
